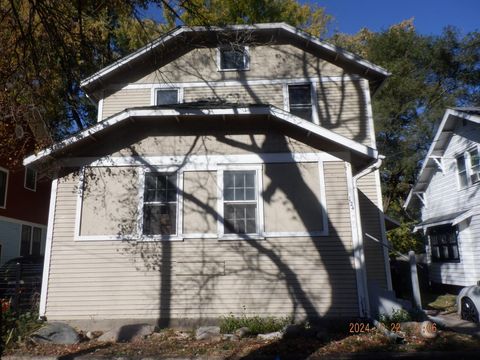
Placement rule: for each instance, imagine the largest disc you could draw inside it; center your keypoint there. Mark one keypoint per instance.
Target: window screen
(167, 97)
(233, 58)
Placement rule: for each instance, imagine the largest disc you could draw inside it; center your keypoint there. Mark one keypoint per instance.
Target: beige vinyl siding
(109, 201)
(292, 197)
(219, 143)
(342, 109)
(248, 94)
(266, 62)
(203, 278)
(125, 98)
(199, 194)
(374, 255)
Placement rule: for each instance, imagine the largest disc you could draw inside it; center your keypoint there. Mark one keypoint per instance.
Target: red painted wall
(24, 204)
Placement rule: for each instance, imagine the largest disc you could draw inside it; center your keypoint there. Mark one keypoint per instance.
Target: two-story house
(447, 191)
(231, 170)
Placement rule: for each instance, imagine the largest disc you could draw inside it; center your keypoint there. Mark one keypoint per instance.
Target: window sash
(462, 171)
(170, 96)
(30, 179)
(300, 101)
(474, 165)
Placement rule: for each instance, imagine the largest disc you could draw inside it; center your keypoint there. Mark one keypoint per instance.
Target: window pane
(300, 100)
(30, 178)
(463, 179)
(233, 58)
(240, 218)
(167, 97)
(159, 219)
(461, 163)
(435, 252)
(236, 185)
(26, 237)
(474, 158)
(3, 187)
(454, 252)
(36, 241)
(160, 187)
(305, 114)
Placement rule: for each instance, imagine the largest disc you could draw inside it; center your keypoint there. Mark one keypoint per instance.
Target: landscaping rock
(242, 332)
(207, 333)
(428, 330)
(127, 333)
(231, 337)
(90, 335)
(56, 333)
(271, 336)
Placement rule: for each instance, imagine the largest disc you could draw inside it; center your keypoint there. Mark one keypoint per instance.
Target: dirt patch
(175, 344)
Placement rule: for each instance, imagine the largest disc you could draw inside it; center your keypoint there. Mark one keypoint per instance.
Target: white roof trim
(264, 110)
(183, 29)
(449, 112)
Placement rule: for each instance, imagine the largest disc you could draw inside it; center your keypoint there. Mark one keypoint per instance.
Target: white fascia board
(288, 28)
(264, 110)
(448, 113)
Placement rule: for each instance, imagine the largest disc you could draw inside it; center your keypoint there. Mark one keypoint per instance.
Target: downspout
(360, 252)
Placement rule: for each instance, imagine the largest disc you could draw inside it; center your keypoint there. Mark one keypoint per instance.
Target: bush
(16, 326)
(256, 324)
(398, 316)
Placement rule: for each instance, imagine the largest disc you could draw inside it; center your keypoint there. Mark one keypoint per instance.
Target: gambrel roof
(439, 145)
(183, 39)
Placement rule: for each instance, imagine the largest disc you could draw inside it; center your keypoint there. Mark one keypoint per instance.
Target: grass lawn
(177, 344)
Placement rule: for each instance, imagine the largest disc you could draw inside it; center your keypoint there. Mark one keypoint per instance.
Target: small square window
(167, 97)
(30, 179)
(300, 101)
(233, 58)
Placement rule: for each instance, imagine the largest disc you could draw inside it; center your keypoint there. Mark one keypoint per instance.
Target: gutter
(358, 249)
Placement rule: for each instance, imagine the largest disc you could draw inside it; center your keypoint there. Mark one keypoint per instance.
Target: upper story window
(468, 168)
(167, 97)
(3, 187)
(444, 243)
(233, 58)
(240, 202)
(160, 204)
(300, 100)
(474, 165)
(30, 182)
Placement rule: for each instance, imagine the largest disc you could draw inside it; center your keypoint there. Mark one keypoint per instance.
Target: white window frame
(313, 98)
(179, 208)
(468, 168)
(219, 58)
(4, 206)
(259, 199)
(160, 87)
(25, 179)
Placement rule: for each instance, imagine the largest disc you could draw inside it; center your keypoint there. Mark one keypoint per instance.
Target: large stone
(242, 332)
(127, 333)
(207, 333)
(277, 335)
(56, 333)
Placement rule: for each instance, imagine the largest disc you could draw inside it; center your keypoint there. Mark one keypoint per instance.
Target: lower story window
(31, 243)
(160, 204)
(444, 243)
(240, 202)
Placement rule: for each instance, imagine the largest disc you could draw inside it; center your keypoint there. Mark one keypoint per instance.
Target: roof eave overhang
(374, 73)
(437, 147)
(359, 150)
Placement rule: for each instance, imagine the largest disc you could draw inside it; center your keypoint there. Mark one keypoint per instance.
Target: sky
(430, 16)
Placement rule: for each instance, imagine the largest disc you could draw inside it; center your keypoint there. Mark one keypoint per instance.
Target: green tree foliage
(429, 74)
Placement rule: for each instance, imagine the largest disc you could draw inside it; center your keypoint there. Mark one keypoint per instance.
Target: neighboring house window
(444, 244)
(233, 58)
(474, 165)
(167, 97)
(462, 171)
(31, 241)
(160, 204)
(30, 179)
(3, 187)
(240, 202)
(300, 100)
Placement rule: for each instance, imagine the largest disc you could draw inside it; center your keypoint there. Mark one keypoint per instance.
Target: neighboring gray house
(448, 192)
(231, 170)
